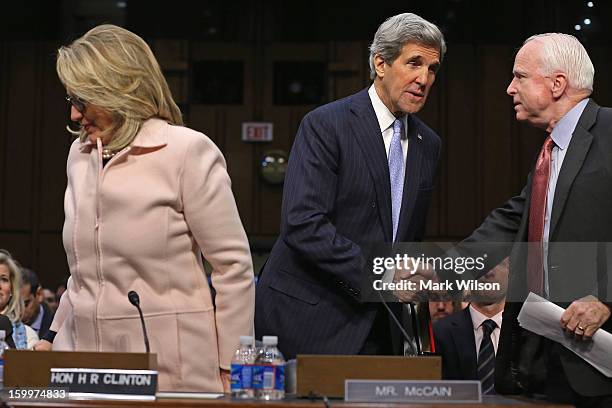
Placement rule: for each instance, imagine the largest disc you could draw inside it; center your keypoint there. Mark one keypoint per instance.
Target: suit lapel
(463, 338)
(367, 133)
(573, 161)
(412, 177)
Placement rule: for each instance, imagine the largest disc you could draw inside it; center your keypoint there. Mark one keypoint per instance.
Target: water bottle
(3, 346)
(241, 372)
(269, 371)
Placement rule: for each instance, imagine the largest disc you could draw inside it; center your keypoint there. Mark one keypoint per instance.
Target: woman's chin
(93, 137)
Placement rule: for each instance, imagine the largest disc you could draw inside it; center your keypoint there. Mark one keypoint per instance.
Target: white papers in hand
(543, 317)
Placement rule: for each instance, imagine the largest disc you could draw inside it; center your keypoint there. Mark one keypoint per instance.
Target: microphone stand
(135, 300)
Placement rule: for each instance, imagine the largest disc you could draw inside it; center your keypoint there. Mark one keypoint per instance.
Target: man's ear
(379, 66)
(559, 84)
(39, 294)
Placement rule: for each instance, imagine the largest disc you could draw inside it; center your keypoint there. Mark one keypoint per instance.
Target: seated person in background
(60, 291)
(36, 313)
(440, 308)
(10, 301)
(467, 340)
(50, 299)
(442, 305)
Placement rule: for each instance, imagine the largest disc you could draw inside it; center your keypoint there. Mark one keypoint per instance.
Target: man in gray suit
(563, 209)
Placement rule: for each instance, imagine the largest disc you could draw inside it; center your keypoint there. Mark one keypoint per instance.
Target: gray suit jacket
(581, 213)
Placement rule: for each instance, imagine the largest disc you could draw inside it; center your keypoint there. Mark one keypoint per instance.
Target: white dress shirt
(477, 320)
(385, 122)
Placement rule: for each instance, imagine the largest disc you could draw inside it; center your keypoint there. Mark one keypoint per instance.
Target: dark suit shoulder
(604, 115)
(606, 110)
(448, 323)
(454, 339)
(333, 109)
(47, 319)
(328, 119)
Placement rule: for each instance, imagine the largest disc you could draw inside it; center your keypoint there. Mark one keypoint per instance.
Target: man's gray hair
(563, 52)
(399, 30)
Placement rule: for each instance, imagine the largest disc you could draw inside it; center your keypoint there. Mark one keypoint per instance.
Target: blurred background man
(50, 299)
(36, 313)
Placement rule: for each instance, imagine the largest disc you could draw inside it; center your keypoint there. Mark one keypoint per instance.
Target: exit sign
(257, 131)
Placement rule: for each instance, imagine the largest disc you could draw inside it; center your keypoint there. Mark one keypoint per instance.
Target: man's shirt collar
(563, 130)
(383, 114)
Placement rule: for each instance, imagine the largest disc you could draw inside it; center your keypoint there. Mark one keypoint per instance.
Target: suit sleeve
(502, 224)
(211, 213)
(309, 202)
(494, 237)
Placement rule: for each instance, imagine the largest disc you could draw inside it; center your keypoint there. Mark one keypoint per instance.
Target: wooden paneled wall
(486, 156)
(33, 151)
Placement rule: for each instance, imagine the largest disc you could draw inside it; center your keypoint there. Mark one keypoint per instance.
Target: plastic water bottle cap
(270, 340)
(246, 340)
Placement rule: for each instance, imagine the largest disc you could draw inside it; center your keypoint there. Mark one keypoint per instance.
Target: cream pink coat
(139, 223)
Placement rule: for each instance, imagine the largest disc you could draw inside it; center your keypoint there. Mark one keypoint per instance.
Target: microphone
(135, 300)
(7, 326)
(407, 338)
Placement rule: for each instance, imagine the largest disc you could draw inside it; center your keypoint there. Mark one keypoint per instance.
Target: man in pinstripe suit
(361, 171)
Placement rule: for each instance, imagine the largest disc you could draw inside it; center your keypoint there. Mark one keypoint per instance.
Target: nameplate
(106, 383)
(412, 391)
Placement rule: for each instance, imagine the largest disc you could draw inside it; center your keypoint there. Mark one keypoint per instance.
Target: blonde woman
(11, 304)
(145, 198)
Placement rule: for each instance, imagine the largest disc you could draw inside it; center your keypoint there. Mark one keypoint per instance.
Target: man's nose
(511, 90)
(423, 76)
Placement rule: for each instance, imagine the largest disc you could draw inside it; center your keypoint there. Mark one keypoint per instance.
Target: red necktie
(537, 212)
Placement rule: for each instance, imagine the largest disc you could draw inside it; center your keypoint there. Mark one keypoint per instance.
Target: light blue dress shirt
(562, 136)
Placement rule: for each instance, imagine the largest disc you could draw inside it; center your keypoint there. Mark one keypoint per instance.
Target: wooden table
(488, 402)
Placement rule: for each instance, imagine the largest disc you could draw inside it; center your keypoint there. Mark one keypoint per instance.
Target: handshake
(420, 281)
(415, 283)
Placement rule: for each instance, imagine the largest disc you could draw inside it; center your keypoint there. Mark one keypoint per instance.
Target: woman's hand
(42, 345)
(226, 380)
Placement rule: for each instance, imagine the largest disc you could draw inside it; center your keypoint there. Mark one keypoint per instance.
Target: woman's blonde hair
(114, 69)
(14, 307)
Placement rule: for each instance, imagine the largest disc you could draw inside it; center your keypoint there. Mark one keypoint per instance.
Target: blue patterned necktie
(396, 172)
(486, 358)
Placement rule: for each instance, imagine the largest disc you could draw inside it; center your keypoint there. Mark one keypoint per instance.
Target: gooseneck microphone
(135, 300)
(7, 326)
(408, 339)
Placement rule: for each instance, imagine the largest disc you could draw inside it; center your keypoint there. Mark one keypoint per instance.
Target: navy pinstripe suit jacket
(337, 197)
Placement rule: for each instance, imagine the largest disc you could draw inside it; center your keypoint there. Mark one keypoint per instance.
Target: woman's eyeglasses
(77, 102)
